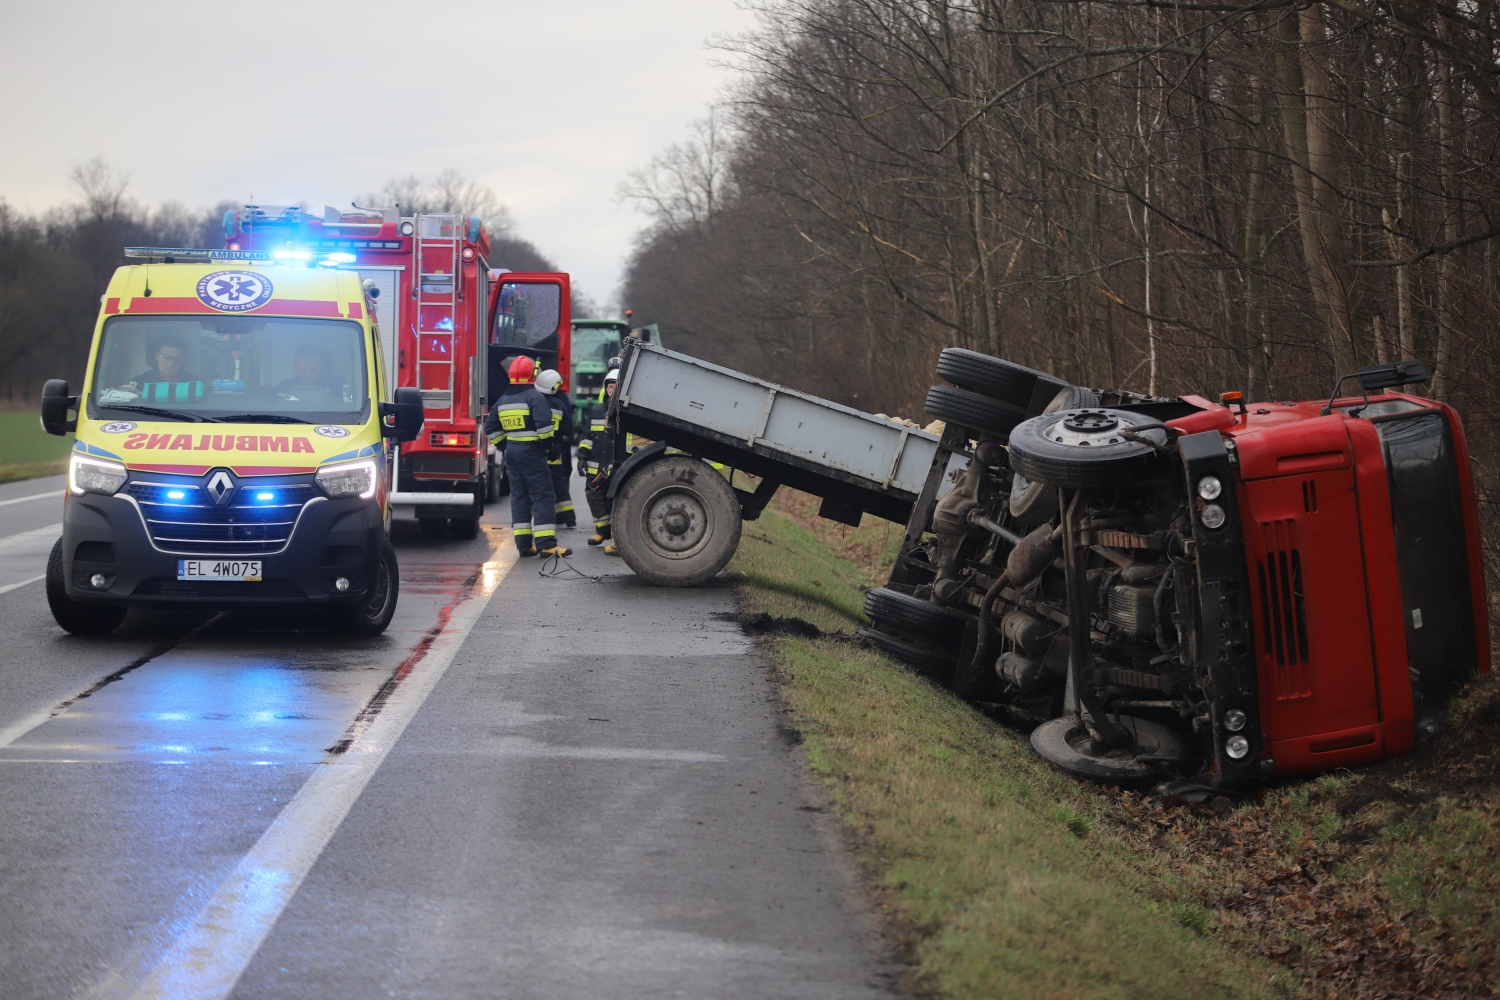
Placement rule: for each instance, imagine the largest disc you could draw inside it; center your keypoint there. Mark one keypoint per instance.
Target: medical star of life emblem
(234, 291)
(220, 488)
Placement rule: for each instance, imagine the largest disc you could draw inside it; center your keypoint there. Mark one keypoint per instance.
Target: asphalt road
(528, 788)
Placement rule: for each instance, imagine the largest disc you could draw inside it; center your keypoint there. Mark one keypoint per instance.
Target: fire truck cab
(447, 323)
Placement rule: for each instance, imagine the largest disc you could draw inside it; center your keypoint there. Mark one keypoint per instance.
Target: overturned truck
(1170, 588)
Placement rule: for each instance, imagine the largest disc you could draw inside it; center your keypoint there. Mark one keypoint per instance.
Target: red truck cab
(1366, 585)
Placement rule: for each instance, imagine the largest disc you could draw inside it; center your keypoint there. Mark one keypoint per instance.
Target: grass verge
(31, 470)
(1005, 878)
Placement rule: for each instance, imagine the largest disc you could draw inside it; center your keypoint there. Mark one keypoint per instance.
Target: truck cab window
(526, 314)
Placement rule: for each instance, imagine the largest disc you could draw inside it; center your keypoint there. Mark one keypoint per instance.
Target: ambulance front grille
(181, 518)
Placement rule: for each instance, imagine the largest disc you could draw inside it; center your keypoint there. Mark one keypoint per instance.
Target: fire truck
(448, 326)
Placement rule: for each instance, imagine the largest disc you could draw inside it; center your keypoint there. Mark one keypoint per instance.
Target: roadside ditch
(1002, 877)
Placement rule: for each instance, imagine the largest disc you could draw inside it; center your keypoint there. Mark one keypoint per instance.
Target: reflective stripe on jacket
(523, 415)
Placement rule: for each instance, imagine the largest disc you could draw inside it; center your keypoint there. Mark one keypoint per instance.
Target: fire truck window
(526, 314)
(307, 369)
(1431, 559)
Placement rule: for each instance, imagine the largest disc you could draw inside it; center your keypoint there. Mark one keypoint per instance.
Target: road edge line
(207, 959)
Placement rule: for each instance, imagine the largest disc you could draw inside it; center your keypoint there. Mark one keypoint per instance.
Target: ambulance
(234, 435)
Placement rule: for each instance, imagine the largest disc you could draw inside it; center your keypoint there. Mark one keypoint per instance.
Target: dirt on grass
(1382, 882)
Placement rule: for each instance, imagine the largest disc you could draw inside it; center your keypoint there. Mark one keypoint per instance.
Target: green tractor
(595, 341)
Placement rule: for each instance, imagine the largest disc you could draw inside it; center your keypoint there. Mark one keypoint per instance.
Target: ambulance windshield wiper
(196, 418)
(261, 418)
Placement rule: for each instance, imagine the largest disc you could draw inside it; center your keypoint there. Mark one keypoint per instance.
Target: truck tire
(916, 617)
(1066, 745)
(1083, 448)
(939, 666)
(74, 616)
(972, 410)
(1003, 380)
(676, 521)
(464, 528)
(373, 615)
(1032, 503)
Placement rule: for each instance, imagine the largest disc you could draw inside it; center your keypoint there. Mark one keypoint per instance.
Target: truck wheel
(916, 617)
(998, 379)
(939, 666)
(1035, 504)
(372, 617)
(972, 410)
(465, 528)
(1084, 448)
(1065, 743)
(433, 527)
(73, 616)
(676, 521)
(491, 484)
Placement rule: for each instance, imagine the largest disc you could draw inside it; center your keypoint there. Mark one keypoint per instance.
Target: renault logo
(220, 488)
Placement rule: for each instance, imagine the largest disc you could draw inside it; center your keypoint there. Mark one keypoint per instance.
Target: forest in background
(1161, 196)
(55, 265)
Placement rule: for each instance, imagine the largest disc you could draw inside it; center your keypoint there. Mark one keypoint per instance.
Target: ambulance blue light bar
(184, 255)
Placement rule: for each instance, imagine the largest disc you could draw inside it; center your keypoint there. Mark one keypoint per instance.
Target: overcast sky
(549, 103)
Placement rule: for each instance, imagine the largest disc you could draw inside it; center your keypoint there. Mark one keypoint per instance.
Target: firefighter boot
(611, 549)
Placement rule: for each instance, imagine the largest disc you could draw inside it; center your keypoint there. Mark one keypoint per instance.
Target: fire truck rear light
(441, 440)
(1209, 487)
(468, 253)
(1213, 516)
(234, 246)
(1237, 747)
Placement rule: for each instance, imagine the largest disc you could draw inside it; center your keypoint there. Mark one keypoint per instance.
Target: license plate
(219, 569)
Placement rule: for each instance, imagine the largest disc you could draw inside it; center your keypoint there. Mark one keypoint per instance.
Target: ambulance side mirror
(55, 406)
(403, 419)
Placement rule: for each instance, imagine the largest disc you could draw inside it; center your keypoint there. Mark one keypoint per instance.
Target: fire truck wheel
(916, 617)
(374, 614)
(1090, 448)
(676, 521)
(74, 616)
(972, 410)
(1066, 744)
(1032, 503)
(938, 666)
(1002, 380)
(433, 527)
(465, 528)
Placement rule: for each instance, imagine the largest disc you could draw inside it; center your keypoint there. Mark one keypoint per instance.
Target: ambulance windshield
(241, 368)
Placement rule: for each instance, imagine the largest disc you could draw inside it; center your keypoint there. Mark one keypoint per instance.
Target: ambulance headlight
(348, 480)
(93, 475)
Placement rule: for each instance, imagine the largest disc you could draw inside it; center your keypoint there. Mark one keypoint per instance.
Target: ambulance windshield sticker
(234, 291)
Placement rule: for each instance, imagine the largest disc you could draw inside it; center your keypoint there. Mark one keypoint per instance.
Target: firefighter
(525, 432)
(596, 454)
(560, 460)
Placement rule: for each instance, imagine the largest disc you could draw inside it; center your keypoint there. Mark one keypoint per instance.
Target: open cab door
(530, 314)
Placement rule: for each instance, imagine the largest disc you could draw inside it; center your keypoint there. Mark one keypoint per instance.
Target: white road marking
(12, 586)
(54, 529)
(208, 958)
(35, 496)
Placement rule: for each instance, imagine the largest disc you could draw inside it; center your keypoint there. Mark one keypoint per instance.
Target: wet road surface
(528, 787)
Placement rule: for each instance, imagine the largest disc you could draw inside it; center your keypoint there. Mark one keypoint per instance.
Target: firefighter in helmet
(596, 455)
(560, 460)
(525, 432)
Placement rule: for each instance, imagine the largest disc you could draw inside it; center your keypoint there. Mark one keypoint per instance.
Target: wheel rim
(375, 607)
(677, 523)
(1088, 428)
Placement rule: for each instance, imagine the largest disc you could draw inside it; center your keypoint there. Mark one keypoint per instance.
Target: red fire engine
(448, 325)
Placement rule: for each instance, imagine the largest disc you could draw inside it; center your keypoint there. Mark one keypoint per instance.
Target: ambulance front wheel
(373, 615)
(676, 521)
(73, 616)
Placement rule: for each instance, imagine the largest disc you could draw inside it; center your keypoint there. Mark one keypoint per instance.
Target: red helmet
(522, 371)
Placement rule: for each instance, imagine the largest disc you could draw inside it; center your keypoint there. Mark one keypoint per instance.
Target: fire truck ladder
(437, 292)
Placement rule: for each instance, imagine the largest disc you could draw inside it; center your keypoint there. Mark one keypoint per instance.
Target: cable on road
(553, 568)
